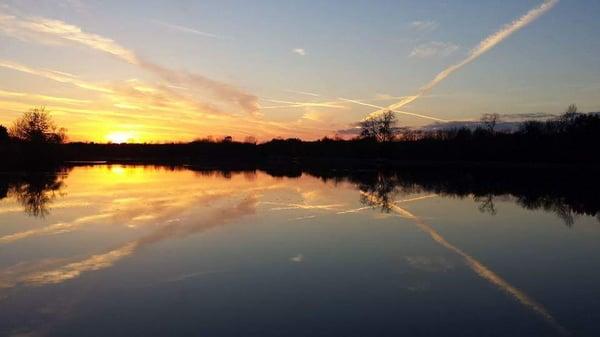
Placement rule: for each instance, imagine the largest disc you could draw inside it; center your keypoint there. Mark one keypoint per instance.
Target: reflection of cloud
(57, 228)
(289, 206)
(126, 211)
(483, 47)
(430, 263)
(75, 269)
(174, 229)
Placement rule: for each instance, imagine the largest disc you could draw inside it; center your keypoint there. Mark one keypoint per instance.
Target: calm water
(145, 251)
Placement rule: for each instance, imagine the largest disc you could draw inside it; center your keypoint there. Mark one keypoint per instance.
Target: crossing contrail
(483, 47)
(394, 110)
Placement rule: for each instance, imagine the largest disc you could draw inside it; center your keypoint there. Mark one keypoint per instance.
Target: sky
(156, 71)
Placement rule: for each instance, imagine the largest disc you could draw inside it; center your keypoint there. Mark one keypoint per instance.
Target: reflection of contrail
(480, 269)
(394, 110)
(356, 210)
(290, 206)
(484, 46)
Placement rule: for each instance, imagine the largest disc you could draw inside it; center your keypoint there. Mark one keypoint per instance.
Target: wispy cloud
(424, 25)
(432, 49)
(483, 47)
(46, 30)
(189, 30)
(299, 51)
(52, 75)
(297, 259)
(306, 93)
(42, 98)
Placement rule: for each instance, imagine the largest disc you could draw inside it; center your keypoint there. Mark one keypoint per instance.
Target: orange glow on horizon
(120, 137)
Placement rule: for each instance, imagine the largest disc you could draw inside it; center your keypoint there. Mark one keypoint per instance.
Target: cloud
(299, 51)
(297, 259)
(424, 26)
(56, 31)
(484, 46)
(432, 49)
(188, 30)
(52, 31)
(306, 93)
(52, 75)
(42, 98)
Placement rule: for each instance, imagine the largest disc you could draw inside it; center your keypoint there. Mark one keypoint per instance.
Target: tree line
(35, 140)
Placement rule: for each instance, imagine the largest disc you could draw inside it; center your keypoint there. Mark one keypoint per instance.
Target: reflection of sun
(119, 137)
(120, 170)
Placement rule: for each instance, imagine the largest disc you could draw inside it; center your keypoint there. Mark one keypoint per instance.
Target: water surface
(150, 251)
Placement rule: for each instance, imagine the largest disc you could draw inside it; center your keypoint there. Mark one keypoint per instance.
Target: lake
(114, 250)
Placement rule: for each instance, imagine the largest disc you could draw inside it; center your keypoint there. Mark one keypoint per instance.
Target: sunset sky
(154, 71)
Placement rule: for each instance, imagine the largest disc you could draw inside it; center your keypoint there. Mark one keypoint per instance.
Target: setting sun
(120, 137)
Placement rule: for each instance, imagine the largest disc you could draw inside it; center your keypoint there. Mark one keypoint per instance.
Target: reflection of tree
(558, 191)
(558, 206)
(34, 191)
(379, 191)
(486, 204)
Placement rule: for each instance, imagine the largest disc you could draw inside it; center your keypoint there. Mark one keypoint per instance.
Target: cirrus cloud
(433, 49)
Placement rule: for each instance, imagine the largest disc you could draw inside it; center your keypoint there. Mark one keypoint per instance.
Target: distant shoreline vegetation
(34, 141)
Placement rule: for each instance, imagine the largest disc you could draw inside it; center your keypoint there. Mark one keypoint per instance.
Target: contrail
(394, 110)
(483, 46)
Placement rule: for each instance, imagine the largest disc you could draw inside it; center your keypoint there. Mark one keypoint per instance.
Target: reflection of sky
(256, 246)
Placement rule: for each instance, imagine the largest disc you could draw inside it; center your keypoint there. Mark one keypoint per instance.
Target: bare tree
(570, 113)
(490, 121)
(37, 126)
(381, 128)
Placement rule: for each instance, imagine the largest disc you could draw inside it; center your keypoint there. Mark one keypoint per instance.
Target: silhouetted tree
(381, 128)
(3, 134)
(37, 126)
(489, 121)
(571, 111)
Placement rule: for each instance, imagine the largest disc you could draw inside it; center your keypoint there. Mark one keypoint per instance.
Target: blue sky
(274, 50)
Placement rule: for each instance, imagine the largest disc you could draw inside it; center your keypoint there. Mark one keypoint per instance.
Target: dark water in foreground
(145, 251)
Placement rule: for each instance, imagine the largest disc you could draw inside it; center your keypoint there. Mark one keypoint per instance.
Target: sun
(120, 137)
